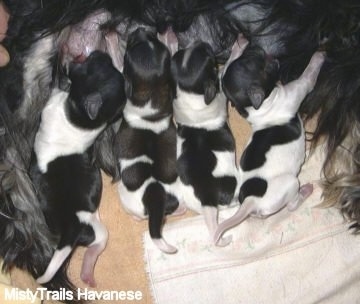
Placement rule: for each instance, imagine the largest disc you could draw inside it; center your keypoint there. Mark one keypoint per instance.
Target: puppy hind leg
(68, 240)
(59, 257)
(173, 207)
(154, 202)
(94, 250)
(211, 220)
(303, 193)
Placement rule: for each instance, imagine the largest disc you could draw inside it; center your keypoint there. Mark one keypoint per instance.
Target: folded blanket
(307, 256)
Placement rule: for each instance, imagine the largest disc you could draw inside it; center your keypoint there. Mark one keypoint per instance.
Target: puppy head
(97, 94)
(249, 80)
(147, 68)
(195, 71)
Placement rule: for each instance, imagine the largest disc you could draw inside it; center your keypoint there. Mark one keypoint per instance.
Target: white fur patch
(132, 200)
(125, 163)
(57, 136)
(189, 198)
(179, 143)
(56, 261)
(93, 220)
(135, 117)
(225, 164)
(191, 110)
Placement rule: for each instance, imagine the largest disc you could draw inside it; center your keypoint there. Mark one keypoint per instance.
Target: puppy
(205, 145)
(273, 157)
(146, 141)
(69, 185)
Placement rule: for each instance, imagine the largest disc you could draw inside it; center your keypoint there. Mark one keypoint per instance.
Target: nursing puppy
(146, 141)
(205, 145)
(69, 185)
(273, 157)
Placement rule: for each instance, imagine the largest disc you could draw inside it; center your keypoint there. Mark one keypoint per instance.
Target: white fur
(57, 136)
(56, 261)
(132, 200)
(92, 219)
(191, 110)
(186, 58)
(95, 248)
(225, 163)
(179, 143)
(37, 70)
(134, 115)
(280, 160)
(190, 200)
(125, 163)
(283, 162)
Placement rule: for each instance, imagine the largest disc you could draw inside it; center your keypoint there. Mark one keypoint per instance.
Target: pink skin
(288, 193)
(236, 51)
(93, 251)
(112, 45)
(170, 40)
(86, 36)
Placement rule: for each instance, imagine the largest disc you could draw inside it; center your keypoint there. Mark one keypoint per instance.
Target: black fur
(197, 161)
(254, 156)
(255, 73)
(296, 27)
(149, 83)
(252, 187)
(72, 183)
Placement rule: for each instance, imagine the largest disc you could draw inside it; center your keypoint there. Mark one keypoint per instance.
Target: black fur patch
(134, 176)
(154, 202)
(160, 148)
(197, 162)
(71, 184)
(254, 155)
(252, 187)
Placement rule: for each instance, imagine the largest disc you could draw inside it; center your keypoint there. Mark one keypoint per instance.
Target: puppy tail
(155, 200)
(241, 214)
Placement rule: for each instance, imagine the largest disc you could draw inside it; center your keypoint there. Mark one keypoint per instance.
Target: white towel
(307, 256)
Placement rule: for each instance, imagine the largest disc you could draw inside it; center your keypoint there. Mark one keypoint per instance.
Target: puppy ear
(93, 104)
(257, 96)
(210, 91)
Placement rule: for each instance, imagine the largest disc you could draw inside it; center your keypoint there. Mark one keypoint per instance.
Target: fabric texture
(305, 256)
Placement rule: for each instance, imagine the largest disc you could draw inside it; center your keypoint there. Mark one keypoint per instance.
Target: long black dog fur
(299, 27)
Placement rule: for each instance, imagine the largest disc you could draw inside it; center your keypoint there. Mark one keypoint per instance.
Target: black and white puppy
(272, 159)
(146, 141)
(205, 146)
(69, 185)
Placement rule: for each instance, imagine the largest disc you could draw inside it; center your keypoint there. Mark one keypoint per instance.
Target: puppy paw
(181, 210)
(164, 246)
(137, 218)
(88, 279)
(306, 190)
(224, 241)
